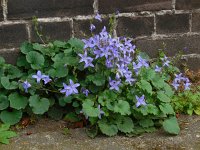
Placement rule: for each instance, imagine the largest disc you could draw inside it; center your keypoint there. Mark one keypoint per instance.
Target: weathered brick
(10, 56)
(48, 8)
(187, 4)
(135, 26)
(177, 23)
(82, 27)
(1, 11)
(196, 22)
(52, 31)
(111, 6)
(186, 44)
(193, 63)
(12, 35)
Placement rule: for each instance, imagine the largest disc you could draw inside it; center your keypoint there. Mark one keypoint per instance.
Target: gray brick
(48, 8)
(187, 4)
(186, 44)
(135, 26)
(12, 35)
(177, 23)
(52, 31)
(111, 6)
(196, 22)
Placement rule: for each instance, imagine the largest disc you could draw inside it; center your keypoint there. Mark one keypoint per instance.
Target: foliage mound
(105, 81)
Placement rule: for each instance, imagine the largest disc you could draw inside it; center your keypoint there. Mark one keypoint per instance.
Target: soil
(48, 134)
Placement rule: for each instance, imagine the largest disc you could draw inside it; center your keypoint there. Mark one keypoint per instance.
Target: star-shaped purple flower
(85, 91)
(67, 90)
(114, 85)
(175, 85)
(26, 85)
(87, 60)
(46, 79)
(140, 101)
(38, 76)
(158, 69)
(92, 27)
(98, 17)
(74, 86)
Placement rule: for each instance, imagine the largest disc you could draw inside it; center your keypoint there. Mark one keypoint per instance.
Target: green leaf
(59, 44)
(5, 135)
(4, 103)
(72, 117)
(158, 82)
(163, 97)
(77, 44)
(89, 109)
(171, 126)
(59, 71)
(166, 108)
(26, 47)
(168, 90)
(22, 62)
(13, 72)
(197, 110)
(145, 123)
(2, 60)
(106, 97)
(97, 79)
(92, 131)
(37, 46)
(152, 109)
(146, 86)
(55, 113)
(122, 107)
(17, 101)
(39, 106)
(12, 117)
(107, 128)
(148, 74)
(7, 84)
(125, 124)
(35, 59)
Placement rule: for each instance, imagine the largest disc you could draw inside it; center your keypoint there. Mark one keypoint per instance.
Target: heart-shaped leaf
(12, 117)
(39, 106)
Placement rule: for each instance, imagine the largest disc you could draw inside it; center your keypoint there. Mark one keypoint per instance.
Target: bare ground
(48, 135)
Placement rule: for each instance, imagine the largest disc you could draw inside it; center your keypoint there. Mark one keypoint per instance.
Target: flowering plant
(105, 80)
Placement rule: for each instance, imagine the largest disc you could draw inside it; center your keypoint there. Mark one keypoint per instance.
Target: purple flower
(101, 112)
(187, 86)
(165, 61)
(73, 86)
(67, 90)
(178, 78)
(85, 91)
(26, 85)
(114, 85)
(175, 85)
(86, 59)
(98, 17)
(122, 69)
(158, 69)
(46, 79)
(142, 62)
(38, 76)
(140, 101)
(129, 78)
(92, 27)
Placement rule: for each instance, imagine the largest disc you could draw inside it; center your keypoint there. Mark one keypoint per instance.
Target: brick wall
(149, 22)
